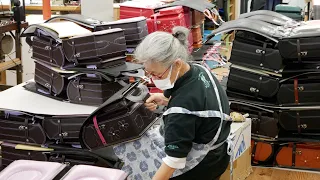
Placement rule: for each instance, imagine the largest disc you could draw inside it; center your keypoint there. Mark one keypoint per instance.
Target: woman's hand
(155, 100)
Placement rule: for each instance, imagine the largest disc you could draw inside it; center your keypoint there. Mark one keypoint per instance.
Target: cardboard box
(241, 137)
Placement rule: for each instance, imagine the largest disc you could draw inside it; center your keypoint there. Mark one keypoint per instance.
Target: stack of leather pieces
(275, 78)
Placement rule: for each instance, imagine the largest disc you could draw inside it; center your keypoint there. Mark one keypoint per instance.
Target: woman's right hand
(155, 100)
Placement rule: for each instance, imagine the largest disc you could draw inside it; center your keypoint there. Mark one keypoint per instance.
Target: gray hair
(164, 47)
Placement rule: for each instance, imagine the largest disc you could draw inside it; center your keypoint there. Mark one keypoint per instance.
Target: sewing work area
(159, 89)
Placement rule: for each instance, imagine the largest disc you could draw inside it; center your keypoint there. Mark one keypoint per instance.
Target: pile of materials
(275, 78)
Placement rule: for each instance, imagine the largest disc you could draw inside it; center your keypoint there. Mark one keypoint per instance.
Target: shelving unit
(231, 15)
(14, 64)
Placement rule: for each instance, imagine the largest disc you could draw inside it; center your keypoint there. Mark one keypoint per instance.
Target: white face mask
(165, 84)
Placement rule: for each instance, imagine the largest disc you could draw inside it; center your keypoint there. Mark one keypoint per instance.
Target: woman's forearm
(164, 172)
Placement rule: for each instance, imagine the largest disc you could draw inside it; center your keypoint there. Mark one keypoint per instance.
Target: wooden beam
(39, 8)
(11, 27)
(55, 8)
(9, 64)
(4, 7)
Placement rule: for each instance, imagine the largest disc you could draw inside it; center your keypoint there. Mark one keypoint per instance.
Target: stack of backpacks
(83, 68)
(88, 69)
(275, 77)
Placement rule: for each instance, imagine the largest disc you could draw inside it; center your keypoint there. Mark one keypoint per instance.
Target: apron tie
(230, 152)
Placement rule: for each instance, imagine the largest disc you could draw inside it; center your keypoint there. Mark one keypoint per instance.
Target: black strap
(253, 153)
(95, 46)
(298, 122)
(259, 121)
(60, 131)
(29, 155)
(29, 41)
(26, 129)
(299, 50)
(63, 158)
(294, 155)
(77, 82)
(51, 83)
(50, 51)
(263, 54)
(75, 55)
(257, 91)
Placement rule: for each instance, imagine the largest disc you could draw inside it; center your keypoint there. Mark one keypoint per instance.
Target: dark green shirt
(194, 91)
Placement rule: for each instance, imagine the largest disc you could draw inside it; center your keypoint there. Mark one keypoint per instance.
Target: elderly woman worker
(195, 125)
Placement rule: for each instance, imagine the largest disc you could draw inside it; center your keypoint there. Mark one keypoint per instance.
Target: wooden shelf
(39, 8)
(9, 64)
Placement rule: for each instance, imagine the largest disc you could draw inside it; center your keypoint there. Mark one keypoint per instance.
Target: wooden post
(46, 9)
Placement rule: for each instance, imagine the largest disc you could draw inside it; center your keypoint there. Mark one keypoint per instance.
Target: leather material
(135, 28)
(55, 153)
(270, 19)
(114, 71)
(305, 121)
(54, 82)
(304, 156)
(91, 49)
(91, 91)
(21, 128)
(88, 22)
(88, 172)
(261, 151)
(254, 84)
(268, 31)
(264, 126)
(23, 169)
(251, 51)
(47, 52)
(295, 89)
(306, 91)
(308, 49)
(10, 154)
(100, 45)
(259, 85)
(39, 89)
(264, 122)
(63, 129)
(122, 118)
(266, 13)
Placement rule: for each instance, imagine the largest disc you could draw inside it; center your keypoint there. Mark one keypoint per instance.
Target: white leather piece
(31, 170)
(84, 172)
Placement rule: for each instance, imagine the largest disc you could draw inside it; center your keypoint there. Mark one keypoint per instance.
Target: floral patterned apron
(142, 158)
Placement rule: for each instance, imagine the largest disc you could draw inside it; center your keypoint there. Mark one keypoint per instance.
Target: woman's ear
(179, 63)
